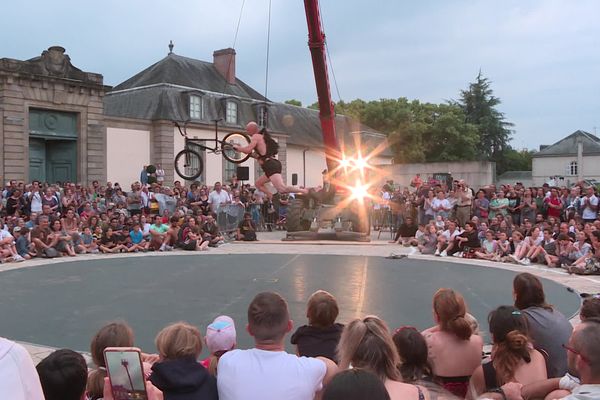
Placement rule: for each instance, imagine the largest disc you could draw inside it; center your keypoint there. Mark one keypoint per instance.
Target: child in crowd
(322, 334)
(88, 241)
(22, 242)
(503, 245)
(220, 338)
(8, 250)
(136, 238)
(489, 247)
(429, 241)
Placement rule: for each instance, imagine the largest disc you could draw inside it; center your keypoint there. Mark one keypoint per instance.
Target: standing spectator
(217, 197)
(589, 205)
(35, 197)
(481, 206)
(528, 206)
(554, 205)
(440, 205)
(416, 182)
(548, 327)
(267, 372)
(160, 174)
(498, 205)
(134, 199)
(464, 203)
(144, 176)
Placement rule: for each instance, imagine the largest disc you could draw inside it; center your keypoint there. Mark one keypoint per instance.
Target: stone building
(51, 120)
(60, 123)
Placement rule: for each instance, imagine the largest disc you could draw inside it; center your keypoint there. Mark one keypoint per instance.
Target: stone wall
(475, 173)
(50, 82)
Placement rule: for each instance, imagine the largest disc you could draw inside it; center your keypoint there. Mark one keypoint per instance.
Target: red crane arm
(316, 43)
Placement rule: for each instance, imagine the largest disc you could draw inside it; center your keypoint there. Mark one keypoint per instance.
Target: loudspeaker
(243, 173)
(294, 179)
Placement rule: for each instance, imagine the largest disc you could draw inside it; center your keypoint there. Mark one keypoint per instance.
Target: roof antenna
(171, 45)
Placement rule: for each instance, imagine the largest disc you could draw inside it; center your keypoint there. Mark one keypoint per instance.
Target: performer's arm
(247, 149)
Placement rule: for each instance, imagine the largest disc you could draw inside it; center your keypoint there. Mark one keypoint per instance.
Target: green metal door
(52, 146)
(61, 160)
(37, 160)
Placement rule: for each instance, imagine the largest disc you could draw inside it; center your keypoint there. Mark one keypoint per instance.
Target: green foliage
(293, 102)
(514, 160)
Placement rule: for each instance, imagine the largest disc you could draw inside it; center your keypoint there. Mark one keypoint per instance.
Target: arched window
(573, 168)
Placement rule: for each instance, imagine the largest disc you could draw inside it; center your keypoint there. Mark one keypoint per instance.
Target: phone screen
(126, 374)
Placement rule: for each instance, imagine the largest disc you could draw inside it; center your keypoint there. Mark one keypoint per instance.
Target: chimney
(224, 62)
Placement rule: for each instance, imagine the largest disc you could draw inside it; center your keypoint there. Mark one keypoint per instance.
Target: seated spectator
(466, 242)
(590, 308)
(178, 375)
(580, 249)
(548, 327)
(88, 240)
(158, 234)
(590, 263)
(322, 334)
(64, 243)
(220, 338)
(367, 344)
(452, 339)
(429, 241)
(356, 384)
(22, 244)
(489, 248)
(543, 251)
(18, 377)
(136, 240)
(63, 375)
(447, 237)
(406, 232)
(246, 230)
(513, 357)
(519, 247)
(43, 238)
(412, 348)
(109, 244)
(211, 231)
(190, 236)
(267, 372)
(114, 334)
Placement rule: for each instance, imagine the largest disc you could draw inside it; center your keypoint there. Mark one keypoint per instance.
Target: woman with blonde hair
(114, 334)
(513, 357)
(452, 339)
(178, 373)
(367, 344)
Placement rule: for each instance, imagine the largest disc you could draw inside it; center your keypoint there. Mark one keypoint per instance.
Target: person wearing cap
(220, 338)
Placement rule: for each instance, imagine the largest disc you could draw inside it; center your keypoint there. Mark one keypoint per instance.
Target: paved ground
(66, 300)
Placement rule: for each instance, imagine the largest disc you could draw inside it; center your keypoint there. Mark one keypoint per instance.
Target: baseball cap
(220, 334)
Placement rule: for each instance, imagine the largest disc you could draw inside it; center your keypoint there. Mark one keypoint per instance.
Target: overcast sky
(542, 56)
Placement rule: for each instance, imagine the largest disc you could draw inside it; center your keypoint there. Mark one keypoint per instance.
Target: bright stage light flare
(344, 163)
(359, 191)
(360, 163)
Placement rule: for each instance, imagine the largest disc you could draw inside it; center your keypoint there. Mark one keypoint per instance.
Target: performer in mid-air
(264, 148)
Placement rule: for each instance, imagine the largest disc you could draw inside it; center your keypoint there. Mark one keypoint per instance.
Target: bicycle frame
(200, 142)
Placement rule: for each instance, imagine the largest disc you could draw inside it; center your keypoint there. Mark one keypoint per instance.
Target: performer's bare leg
(277, 181)
(260, 185)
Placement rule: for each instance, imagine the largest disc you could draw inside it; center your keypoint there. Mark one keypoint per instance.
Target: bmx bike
(189, 163)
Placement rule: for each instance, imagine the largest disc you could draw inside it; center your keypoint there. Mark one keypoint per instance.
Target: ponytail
(95, 384)
(509, 354)
(460, 327)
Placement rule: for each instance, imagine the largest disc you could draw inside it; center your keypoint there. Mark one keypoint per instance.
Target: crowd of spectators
(53, 220)
(535, 354)
(554, 226)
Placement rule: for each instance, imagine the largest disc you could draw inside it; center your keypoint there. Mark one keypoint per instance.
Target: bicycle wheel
(241, 139)
(188, 164)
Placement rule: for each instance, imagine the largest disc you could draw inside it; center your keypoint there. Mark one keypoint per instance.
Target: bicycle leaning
(189, 163)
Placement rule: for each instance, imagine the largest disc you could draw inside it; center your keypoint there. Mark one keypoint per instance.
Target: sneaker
(525, 261)
(162, 247)
(221, 242)
(437, 253)
(412, 251)
(458, 255)
(95, 251)
(168, 248)
(18, 258)
(443, 254)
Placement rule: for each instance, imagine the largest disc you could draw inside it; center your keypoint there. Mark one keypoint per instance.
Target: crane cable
(329, 59)
(265, 119)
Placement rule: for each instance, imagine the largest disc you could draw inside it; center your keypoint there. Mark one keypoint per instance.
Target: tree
(479, 106)
(293, 102)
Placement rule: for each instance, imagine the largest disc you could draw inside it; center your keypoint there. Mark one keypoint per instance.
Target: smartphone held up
(126, 373)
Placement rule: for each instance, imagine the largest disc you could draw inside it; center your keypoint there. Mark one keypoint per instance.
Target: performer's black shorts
(271, 166)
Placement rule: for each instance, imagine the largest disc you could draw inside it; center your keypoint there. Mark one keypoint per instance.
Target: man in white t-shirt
(217, 197)
(18, 378)
(440, 205)
(589, 205)
(267, 372)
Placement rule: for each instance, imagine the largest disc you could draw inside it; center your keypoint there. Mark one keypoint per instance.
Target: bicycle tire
(181, 163)
(242, 139)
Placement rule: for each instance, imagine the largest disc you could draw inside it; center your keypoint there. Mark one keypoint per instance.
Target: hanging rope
(265, 116)
(329, 59)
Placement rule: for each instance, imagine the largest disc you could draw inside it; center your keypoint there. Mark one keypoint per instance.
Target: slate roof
(516, 176)
(161, 92)
(568, 145)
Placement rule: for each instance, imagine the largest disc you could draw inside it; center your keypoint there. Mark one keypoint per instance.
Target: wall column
(161, 148)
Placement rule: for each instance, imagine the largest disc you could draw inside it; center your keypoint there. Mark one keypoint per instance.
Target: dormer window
(262, 116)
(196, 109)
(231, 116)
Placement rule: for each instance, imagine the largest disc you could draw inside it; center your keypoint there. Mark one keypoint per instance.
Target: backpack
(271, 144)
